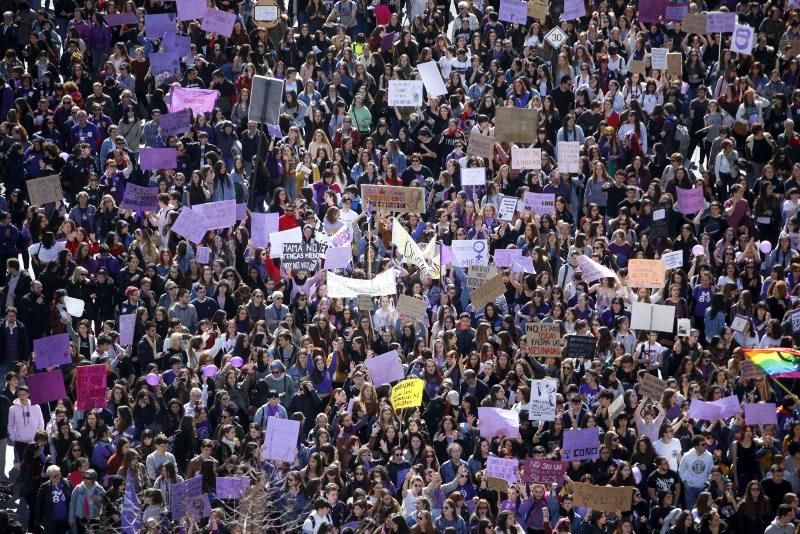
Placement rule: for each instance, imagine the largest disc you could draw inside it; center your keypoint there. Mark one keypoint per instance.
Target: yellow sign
(408, 394)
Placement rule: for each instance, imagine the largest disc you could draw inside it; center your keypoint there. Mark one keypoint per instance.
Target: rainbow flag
(776, 361)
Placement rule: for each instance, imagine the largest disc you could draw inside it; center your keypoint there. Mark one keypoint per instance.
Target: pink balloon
(697, 250)
(765, 247)
(152, 379)
(237, 362)
(210, 370)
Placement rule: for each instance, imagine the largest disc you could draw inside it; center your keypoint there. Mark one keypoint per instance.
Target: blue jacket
(9, 237)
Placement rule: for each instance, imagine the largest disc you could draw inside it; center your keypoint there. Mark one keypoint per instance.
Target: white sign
(652, 317)
(684, 327)
(658, 58)
(673, 260)
(473, 176)
(468, 252)
(739, 323)
(432, 78)
(340, 287)
(594, 271)
(543, 400)
(74, 306)
(569, 156)
(742, 39)
(556, 37)
(508, 206)
(406, 93)
(526, 158)
(277, 240)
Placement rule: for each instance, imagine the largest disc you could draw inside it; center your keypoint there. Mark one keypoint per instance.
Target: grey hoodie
(775, 528)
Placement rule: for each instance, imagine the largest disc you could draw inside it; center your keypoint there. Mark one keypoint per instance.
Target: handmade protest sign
(673, 260)
(280, 439)
(544, 338)
(728, 406)
(432, 78)
(127, 325)
(522, 264)
(487, 292)
(262, 225)
(217, 215)
(387, 41)
(760, 413)
(410, 250)
(232, 487)
(74, 306)
(365, 303)
(45, 190)
(646, 273)
(467, 252)
(743, 39)
(408, 394)
(684, 327)
(175, 123)
(176, 44)
(481, 146)
(191, 9)
(139, 198)
(203, 255)
(473, 176)
(183, 493)
(739, 323)
(90, 384)
(658, 317)
(658, 58)
(301, 256)
(637, 66)
(496, 484)
(720, 22)
(503, 468)
(394, 198)
(413, 307)
(190, 225)
(544, 472)
(652, 387)
(503, 257)
(517, 125)
(199, 100)
(118, 19)
(218, 21)
(385, 368)
(749, 371)
(405, 93)
(691, 200)
(278, 239)
(526, 158)
(581, 444)
(718, 409)
(651, 11)
(158, 24)
(543, 400)
(573, 9)
(675, 63)
(675, 12)
(513, 11)
(198, 507)
(151, 159)
(569, 156)
(46, 387)
(497, 421)
(593, 270)
(508, 207)
(602, 498)
(477, 275)
(794, 317)
(338, 257)
(538, 9)
(52, 350)
(165, 62)
(340, 287)
(581, 346)
(616, 407)
(695, 23)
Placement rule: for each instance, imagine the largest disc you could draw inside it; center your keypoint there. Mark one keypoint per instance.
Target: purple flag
(151, 159)
(200, 100)
(46, 387)
(183, 493)
(131, 508)
(581, 444)
(52, 350)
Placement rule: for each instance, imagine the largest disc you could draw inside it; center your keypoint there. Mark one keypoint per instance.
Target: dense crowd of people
(227, 340)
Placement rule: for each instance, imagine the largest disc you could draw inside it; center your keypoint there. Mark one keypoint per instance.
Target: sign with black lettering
(581, 346)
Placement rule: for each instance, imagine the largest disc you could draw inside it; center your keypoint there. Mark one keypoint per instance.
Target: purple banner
(118, 19)
(581, 444)
(51, 351)
(175, 123)
(46, 387)
(544, 472)
(762, 413)
(158, 158)
(139, 198)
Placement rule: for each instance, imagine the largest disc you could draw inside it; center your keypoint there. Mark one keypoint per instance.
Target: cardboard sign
(526, 158)
(695, 23)
(90, 384)
(473, 176)
(761, 413)
(545, 338)
(652, 387)
(516, 125)
(405, 93)
(496, 484)
(581, 444)
(487, 292)
(794, 43)
(408, 394)
(545, 472)
(394, 199)
(45, 190)
(581, 346)
(543, 400)
(658, 58)
(190, 224)
(538, 9)
(481, 146)
(508, 207)
(569, 156)
(646, 273)
(365, 303)
(739, 323)
(46, 387)
(749, 371)
(602, 498)
(477, 275)
(503, 468)
(637, 66)
(413, 307)
(673, 260)
(675, 64)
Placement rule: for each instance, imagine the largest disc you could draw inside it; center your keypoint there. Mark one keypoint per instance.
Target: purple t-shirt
(59, 501)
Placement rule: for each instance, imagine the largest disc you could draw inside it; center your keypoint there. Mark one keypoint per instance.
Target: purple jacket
(99, 39)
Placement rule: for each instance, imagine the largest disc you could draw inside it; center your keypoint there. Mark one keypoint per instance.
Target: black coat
(44, 502)
(34, 313)
(23, 342)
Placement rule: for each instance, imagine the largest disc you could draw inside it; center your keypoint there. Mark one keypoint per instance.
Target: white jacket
(24, 421)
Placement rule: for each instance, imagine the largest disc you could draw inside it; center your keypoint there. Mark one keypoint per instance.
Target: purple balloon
(765, 247)
(152, 379)
(237, 362)
(210, 370)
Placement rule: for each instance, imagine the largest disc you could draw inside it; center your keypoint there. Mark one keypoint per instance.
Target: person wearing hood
(24, 420)
(782, 524)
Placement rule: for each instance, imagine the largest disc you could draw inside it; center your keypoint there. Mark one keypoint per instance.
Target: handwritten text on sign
(545, 338)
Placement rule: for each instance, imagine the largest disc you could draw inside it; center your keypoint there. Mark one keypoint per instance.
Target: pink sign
(47, 387)
(219, 22)
(200, 100)
(496, 421)
(761, 413)
(691, 200)
(90, 384)
(544, 472)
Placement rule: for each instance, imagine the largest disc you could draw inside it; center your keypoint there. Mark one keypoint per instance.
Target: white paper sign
(74, 306)
(432, 78)
(569, 156)
(684, 327)
(277, 239)
(742, 39)
(658, 58)
(738, 323)
(468, 252)
(508, 206)
(652, 317)
(473, 176)
(594, 271)
(673, 260)
(406, 93)
(526, 158)
(543, 400)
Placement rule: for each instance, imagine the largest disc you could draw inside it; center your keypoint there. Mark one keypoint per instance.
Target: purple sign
(159, 24)
(190, 225)
(338, 258)
(241, 211)
(203, 255)
(514, 11)
(200, 100)
(581, 444)
(183, 493)
(218, 21)
(385, 368)
(46, 387)
(198, 507)
(540, 203)
(280, 439)
(761, 413)
(165, 62)
(651, 11)
(274, 130)
(127, 325)
(177, 44)
(691, 200)
(573, 9)
(51, 351)
(718, 409)
(544, 472)
(720, 22)
(675, 12)
(191, 9)
(175, 123)
(232, 487)
(118, 19)
(261, 225)
(523, 264)
(158, 158)
(504, 257)
(387, 40)
(503, 468)
(139, 198)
